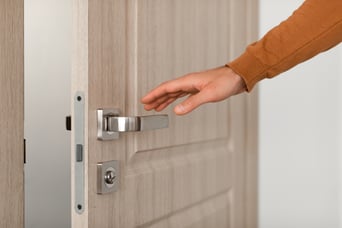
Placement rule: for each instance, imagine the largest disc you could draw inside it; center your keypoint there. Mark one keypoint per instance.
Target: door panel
(12, 114)
(192, 174)
(173, 38)
(210, 213)
(171, 181)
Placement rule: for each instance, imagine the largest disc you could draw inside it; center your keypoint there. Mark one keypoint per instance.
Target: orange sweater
(313, 28)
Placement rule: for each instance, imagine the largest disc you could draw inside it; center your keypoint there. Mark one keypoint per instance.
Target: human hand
(208, 86)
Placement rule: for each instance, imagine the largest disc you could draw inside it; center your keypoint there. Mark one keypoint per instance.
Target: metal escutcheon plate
(103, 170)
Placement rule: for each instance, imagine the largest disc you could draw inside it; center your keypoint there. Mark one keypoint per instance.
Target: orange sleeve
(313, 28)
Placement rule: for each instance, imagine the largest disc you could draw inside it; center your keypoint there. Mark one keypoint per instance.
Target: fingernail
(179, 109)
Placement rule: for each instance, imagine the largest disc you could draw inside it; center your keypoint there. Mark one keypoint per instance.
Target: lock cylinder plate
(107, 177)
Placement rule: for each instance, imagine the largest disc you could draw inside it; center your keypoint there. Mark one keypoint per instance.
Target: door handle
(137, 123)
(110, 123)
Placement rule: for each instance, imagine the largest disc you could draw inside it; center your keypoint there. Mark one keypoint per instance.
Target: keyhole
(110, 177)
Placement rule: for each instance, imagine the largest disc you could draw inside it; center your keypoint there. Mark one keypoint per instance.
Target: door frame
(12, 114)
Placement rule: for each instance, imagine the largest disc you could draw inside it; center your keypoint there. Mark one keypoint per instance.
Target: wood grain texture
(107, 89)
(174, 38)
(11, 113)
(213, 212)
(252, 103)
(168, 181)
(195, 173)
(238, 125)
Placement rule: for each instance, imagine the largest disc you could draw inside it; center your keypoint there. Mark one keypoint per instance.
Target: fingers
(192, 102)
(182, 84)
(165, 104)
(156, 103)
(164, 101)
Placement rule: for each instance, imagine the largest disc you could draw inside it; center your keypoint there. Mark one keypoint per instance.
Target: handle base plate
(102, 133)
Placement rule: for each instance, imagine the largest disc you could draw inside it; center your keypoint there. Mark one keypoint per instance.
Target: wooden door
(12, 114)
(199, 172)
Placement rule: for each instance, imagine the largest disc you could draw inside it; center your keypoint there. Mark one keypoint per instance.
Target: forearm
(315, 27)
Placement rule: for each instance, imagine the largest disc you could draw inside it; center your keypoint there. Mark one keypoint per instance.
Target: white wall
(300, 140)
(47, 102)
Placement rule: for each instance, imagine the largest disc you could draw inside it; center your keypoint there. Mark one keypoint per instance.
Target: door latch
(110, 123)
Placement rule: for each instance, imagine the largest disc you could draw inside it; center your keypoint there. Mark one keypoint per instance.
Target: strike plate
(79, 151)
(107, 177)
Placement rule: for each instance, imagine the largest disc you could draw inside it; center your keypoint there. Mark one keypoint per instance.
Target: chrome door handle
(110, 123)
(137, 123)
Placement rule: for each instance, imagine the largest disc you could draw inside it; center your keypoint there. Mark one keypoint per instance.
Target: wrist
(237, 79)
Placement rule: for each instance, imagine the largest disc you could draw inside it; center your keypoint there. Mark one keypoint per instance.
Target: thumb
(191, 103)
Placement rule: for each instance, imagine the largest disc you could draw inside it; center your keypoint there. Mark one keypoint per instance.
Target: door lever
(110, 123)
